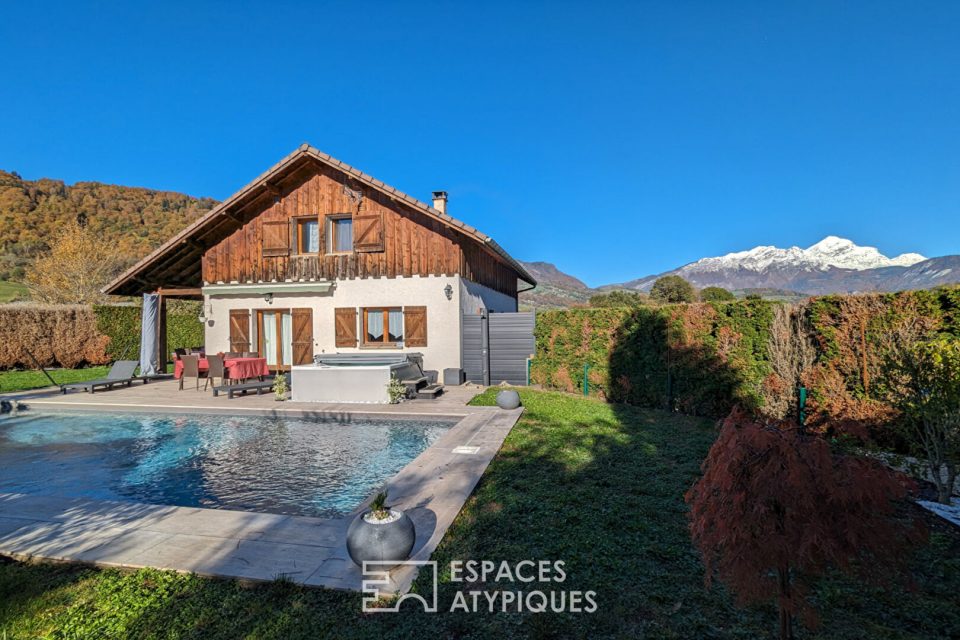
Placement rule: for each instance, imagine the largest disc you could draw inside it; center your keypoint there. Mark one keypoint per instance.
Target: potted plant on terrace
(381, 534)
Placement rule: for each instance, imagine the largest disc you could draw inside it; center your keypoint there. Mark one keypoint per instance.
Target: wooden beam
(179, 291)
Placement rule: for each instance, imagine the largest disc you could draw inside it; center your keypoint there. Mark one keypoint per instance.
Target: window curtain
(375, 326)
(344, 230)
(286, 329)
(311, 231)
(270, 338)
(395, 325)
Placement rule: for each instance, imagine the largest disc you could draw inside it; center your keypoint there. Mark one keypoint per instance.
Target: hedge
(56, 335)
(122, 326)
(72, 335)
(703, 358)
(698, 358)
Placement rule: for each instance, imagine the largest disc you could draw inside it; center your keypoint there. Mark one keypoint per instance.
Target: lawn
(598, 486)
(12, 291)
(24, 380)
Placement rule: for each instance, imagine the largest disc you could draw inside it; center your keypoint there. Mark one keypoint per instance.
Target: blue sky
(615, 140)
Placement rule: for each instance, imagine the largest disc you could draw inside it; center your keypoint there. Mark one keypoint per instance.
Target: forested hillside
(131, 219)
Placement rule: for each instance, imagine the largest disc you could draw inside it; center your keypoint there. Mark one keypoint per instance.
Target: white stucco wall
(474, 297)
(443, 315)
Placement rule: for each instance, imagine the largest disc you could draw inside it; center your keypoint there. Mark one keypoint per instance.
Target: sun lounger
(260, 386)
(121, 373)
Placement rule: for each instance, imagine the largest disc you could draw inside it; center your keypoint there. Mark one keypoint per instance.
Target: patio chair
(179, 353)
(250, 354)
(191, 369)
(214, 370)
(233, 354)
(122, 372)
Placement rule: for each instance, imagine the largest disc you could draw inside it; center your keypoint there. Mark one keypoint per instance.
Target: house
(316, 257)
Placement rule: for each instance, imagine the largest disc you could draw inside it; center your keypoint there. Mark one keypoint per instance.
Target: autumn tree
(77, 266)
(791, 350)
(716, 294)
(776, 508)
(619, 299)
(930, 400)
(673, 289)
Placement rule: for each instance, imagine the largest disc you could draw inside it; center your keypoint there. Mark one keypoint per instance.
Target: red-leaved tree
(776, 507)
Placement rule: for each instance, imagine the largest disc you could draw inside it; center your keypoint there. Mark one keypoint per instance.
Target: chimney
(440, 201)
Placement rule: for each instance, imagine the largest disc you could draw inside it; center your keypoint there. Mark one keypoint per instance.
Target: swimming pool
(248, 463)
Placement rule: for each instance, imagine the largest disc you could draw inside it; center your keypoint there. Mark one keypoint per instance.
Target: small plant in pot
(381, 534)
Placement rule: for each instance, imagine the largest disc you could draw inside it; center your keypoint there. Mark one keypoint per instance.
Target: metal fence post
(586, 379)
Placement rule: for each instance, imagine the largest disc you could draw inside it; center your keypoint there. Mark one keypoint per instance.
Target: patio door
(285, 337)
(275, 338)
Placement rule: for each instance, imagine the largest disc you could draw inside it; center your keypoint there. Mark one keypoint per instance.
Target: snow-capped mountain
(829, 252)
(833, 265)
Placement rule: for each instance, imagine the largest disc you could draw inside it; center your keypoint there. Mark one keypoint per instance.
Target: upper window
(382, 327)
(339, 234)
(308, 235)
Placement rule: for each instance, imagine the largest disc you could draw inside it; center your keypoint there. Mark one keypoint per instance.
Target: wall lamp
(448, 291)
(268, 298)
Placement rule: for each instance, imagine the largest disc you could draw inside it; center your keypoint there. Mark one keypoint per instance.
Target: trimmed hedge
(697, 358)
(56, 335)
(122, 326)
(703, 358)
(73, 335)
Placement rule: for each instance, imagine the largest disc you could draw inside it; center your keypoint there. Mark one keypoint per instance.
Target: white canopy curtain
(395, 325)
(286, 329)
(341, 235)
(374, 326)
(311, 236)
(270, 338)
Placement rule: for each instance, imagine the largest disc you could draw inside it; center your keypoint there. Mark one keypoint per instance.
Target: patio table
(236, 368)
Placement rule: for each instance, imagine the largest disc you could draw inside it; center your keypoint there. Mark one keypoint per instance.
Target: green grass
(599, 486)
(24, 380)
(10, 291)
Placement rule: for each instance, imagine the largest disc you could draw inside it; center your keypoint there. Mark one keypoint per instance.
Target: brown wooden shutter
(368, 233)
(239, 330)
(345, 320)
(415, 326)
(276, 238)
(302, 336)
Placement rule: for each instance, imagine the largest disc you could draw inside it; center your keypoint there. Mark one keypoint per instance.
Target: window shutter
(368, 233)
(302, 336)
(415, 326)
(276, 238)
(345, 321)
(239, 330)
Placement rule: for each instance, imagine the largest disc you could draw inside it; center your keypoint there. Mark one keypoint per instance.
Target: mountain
(131, 219)
(555, 289)
(833, 265)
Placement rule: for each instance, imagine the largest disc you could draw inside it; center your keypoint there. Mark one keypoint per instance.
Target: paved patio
(254, 546)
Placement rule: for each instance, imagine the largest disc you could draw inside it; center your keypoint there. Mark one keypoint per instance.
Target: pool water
(249, 463)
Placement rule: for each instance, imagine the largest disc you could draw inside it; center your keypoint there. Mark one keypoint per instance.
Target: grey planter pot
(508, 399)
(386, 543)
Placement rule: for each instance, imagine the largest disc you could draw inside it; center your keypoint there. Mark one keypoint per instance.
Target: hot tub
(361, 378)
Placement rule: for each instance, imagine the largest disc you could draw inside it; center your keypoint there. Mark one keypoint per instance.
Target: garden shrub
(698, 358)
(76, 335)
(56, 335)
(704, 358)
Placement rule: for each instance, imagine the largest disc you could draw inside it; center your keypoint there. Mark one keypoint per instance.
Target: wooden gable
(390, 238)
(253, 235)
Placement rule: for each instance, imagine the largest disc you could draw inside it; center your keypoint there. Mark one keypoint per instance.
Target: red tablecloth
(237, 368)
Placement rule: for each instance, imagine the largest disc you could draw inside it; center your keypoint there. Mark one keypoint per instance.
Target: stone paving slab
(246, 545)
